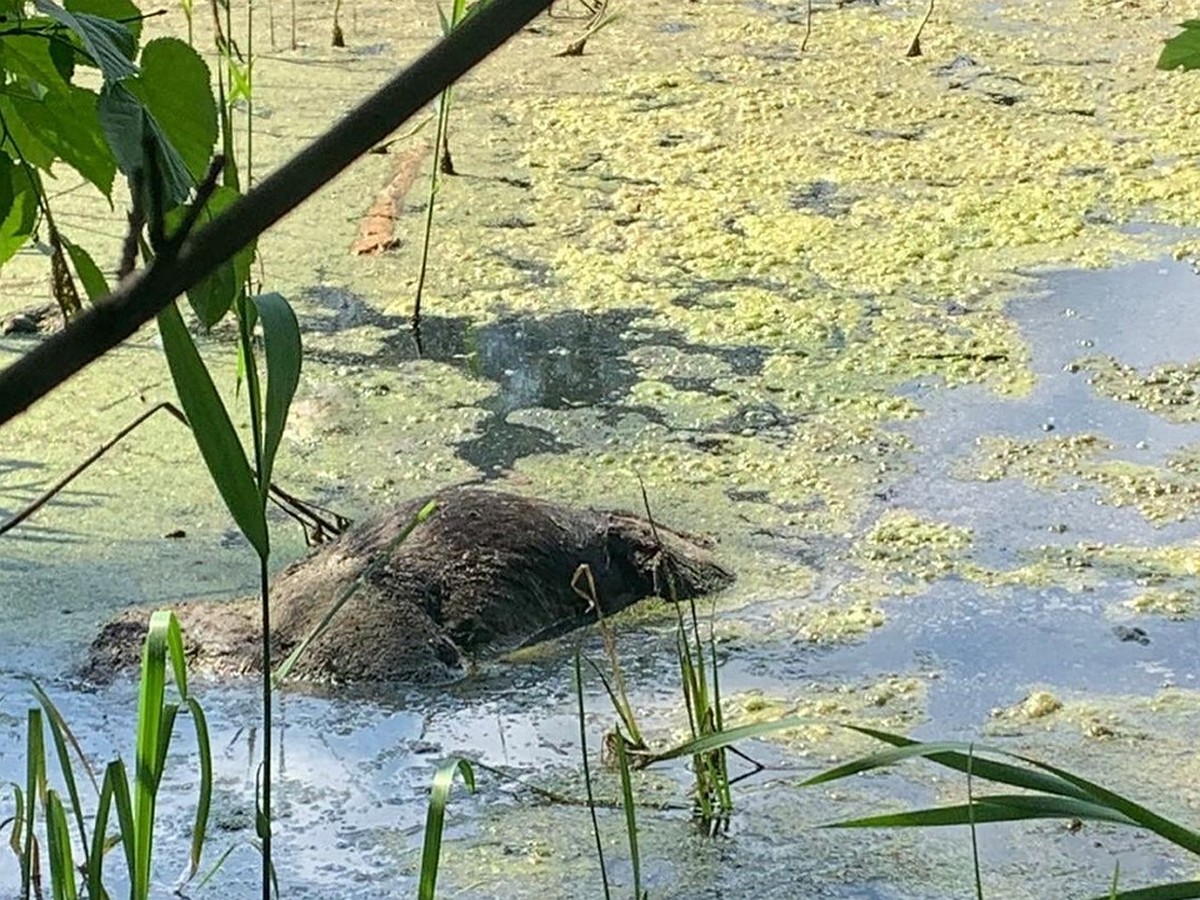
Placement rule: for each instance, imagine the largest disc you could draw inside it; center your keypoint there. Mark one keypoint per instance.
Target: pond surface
(889, 338)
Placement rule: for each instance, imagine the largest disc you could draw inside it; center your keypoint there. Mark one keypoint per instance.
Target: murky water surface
(907, 337)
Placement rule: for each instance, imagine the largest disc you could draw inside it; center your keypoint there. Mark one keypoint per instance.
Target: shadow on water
(564, 360)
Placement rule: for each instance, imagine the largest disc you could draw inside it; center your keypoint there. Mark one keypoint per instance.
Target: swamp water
(940, 493)
(354, 767)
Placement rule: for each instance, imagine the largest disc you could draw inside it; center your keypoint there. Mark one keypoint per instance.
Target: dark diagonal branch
(143, 295)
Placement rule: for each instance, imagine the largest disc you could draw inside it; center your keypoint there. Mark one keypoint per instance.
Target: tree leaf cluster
(153, 98)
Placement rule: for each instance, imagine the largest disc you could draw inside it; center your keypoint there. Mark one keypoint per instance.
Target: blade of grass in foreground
(439, 795)
(991, 808)
(35, 786)
(630, 815)
(1058, 794)
(1050, 780)
(215, 435)
(717, 739)
(587, 772)
(58, 849)
(151, 714)
(62, 736)
(952, 755)
(1180, 890)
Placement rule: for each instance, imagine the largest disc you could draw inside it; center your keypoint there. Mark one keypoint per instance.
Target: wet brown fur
(487, 572)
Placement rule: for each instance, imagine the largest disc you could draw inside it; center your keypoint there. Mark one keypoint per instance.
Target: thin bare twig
(317, 528)
(54, 489)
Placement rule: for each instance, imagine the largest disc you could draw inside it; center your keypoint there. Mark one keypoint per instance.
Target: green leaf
(21, 212)
(959, 756)
(62, 736)
(127, 124)
(124, 12)
(718, 739)
(95, 859)
(176, 87)
(627, 802)
(204, 803)
(211, 297)
(241, 81)
(281, 345)
(22, 135)
(119, 784)
(1183, 50)
(67, 124)
(439, 795)
(1179, 890)
(214, 432)
(31, 57)
(109, 44)
(64, 55)
(6, 186)
(58, 849)
(994, 808)
(150, 723)
(89, 273)
(1165, 828)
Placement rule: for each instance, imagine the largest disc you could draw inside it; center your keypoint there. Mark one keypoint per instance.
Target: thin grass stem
(587, 776)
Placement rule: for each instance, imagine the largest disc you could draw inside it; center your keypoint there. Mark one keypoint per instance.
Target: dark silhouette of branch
(144, 294)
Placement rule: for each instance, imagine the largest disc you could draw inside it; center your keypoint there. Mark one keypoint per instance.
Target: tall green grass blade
(458, 14)
(1116, 879)
(1095, 801)
(61, 735)
(439, 795)
(719, 739)
(215, 435)
(587, 772)
(123, 803)
(174, 638)
(630, 815)
(974, 831)
(216, 867)
(281, 347)
(95, 860)
(947, 753)
(380, 560)
(154, 717)
(170, 712)
(621, 705)
(58, 849)
(204, 803)
(991, 808)
(1180, 890)
(262, 824)
(1172, 831)
(35, 787)
(18, 821)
